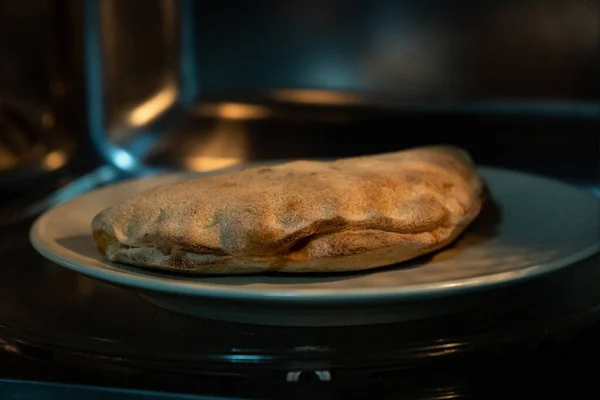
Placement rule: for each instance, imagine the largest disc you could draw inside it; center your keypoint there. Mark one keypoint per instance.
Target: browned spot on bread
(277, 265)
(293, 206)
(102, 240)
(178, 261)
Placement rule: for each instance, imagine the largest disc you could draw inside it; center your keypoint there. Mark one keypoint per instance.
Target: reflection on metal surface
(18, 137)
(447, 348)
(416, 62)
(135, 80)
(22, 389)
(448, 393)
(204, 163)
(300, 376)
(154, 106)
(562, 35)
(234, 111)
(122, 159)
(320, 97)
(10, 348)
(595, 189)
(54, 160)
(225, 147)
(48, 120)
(7, 159)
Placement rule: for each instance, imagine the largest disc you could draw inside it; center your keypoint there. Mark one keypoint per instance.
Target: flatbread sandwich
(349, 214)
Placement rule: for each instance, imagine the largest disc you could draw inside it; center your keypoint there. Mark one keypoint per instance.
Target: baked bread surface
(303, 216)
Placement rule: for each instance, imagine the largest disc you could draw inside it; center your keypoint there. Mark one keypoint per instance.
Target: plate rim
(144, 280)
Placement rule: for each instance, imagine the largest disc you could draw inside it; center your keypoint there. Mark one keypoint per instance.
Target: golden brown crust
(103, 241)
(350, 214)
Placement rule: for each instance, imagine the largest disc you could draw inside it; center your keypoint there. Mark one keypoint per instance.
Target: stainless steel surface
(138, 72)
(30, 91)
(127, 75)
(334, 52)
(415, 50)
(11, 389)
(534, 226)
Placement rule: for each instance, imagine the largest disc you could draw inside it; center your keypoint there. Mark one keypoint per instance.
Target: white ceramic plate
(538, 226)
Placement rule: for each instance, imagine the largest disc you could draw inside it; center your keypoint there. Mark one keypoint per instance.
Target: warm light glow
(235, 111)
(322, 97)
(48, 120)
(225, 147)
(10, 348)
(54, 160)
(205, 163)
(153, 107)
(7, 159)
